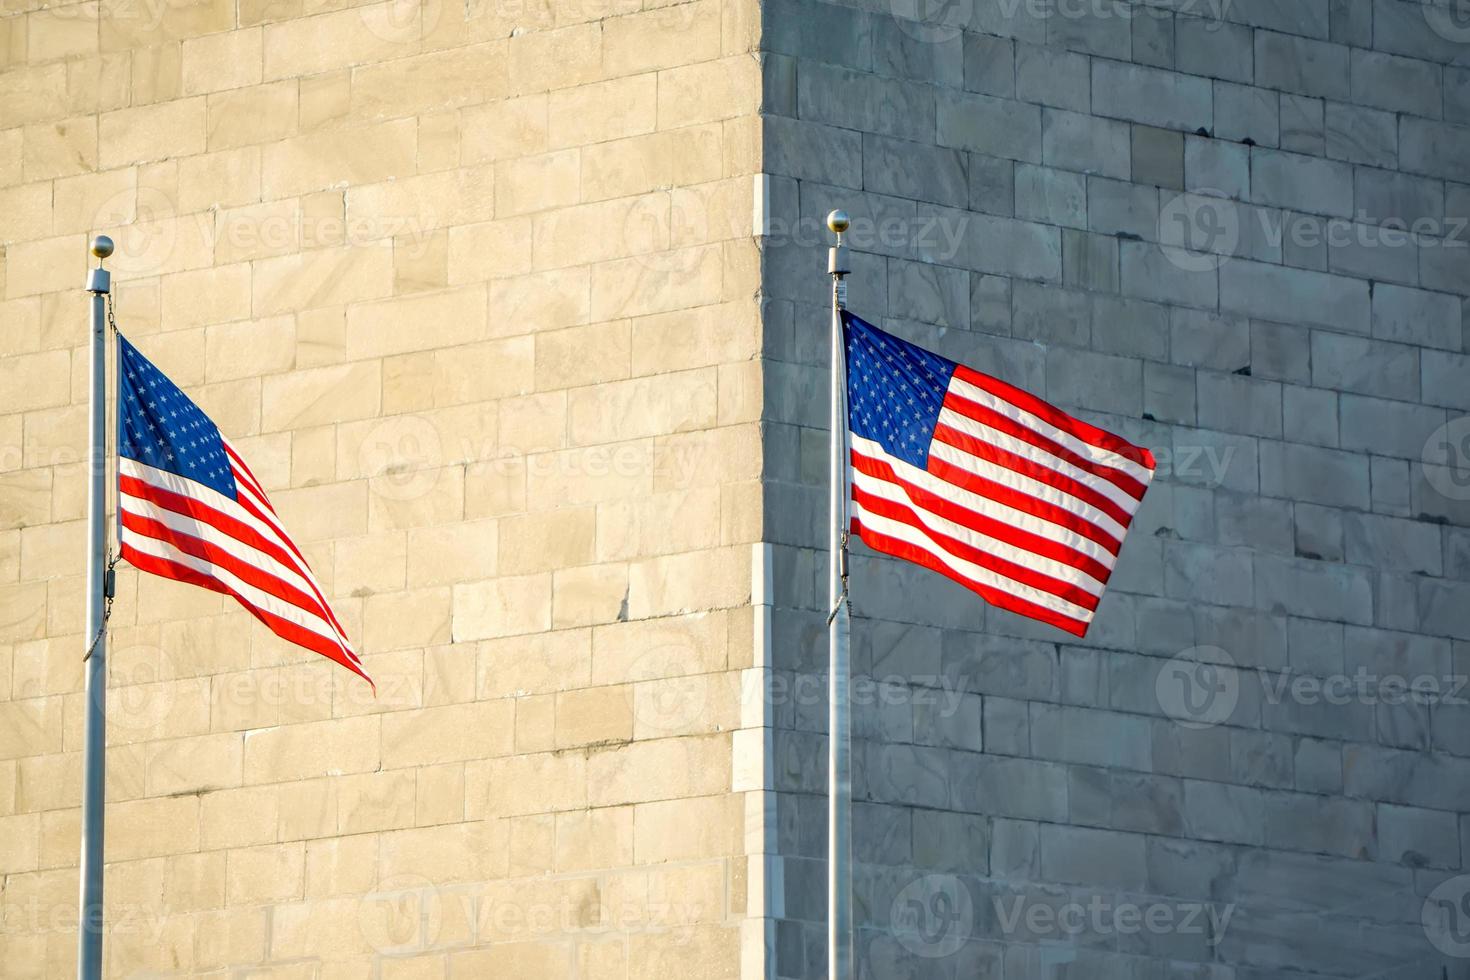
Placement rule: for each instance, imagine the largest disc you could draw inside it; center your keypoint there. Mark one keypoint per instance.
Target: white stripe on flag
(1026, 486)
(208, 496)
(1086, 450)
(1040, 564)
(968, 570)
(983, 506)
(1037, 455)
(255, 597)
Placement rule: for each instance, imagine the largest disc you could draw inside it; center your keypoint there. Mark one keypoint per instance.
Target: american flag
(191, 510)
(984, 483)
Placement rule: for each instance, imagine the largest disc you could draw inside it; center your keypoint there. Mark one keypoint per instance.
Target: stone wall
(1184, 221)
(428, 266)
(474, 287)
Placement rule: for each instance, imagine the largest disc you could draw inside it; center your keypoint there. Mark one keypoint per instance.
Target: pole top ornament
(101, 247)
(838, 221)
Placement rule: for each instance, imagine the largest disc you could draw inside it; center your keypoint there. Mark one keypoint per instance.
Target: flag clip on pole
(839, 733)
(89, 922)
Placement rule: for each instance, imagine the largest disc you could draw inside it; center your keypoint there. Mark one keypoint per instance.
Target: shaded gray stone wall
(1233, 231)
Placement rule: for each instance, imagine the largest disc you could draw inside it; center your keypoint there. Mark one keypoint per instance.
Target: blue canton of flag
(160, 426)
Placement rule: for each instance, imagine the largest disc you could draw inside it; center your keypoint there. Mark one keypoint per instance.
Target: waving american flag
(191, 510)
(984, 483)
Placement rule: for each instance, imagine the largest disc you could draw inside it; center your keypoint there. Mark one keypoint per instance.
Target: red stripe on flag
(1020, 464)
(1001, 600)
(283, 628)
(203, 513)
(249, 574)
(989, 526)
(232, 527)
(1003, 423)
(273, 522)
(1028, 402)
(1024, 502)
(901, 514)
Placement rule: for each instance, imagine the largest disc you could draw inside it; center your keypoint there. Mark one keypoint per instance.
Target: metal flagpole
(839, 733)
(94, 746)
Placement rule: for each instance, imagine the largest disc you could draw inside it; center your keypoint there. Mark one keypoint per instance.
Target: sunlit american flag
(984, 483)
(191, 510)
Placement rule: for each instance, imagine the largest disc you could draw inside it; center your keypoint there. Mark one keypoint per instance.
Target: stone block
(1087, 736)
(1416, 316)
(1055, 197)
(1312, 589)
(1151, 96)
(990, 65)
(1361, 366)
(1097, 858)
(1053, 77)
(1427, 147)
(1389, 428)
(1295, 295)
(988, 125)
(1360, 135)
(1217, 166)
(1074, 141)
(1396, 84)
(1158, 157)
(1302, 124)
(1240, 404)
(1215, 48)
(1302, 183)
(1243, 112)
(1303, 66)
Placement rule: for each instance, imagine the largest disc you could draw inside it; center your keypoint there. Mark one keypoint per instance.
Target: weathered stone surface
(521, 315)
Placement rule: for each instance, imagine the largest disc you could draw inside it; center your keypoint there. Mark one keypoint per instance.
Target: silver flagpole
(94, 745)
(839, 733)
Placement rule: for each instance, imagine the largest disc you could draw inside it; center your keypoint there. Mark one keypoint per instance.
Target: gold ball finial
(838, 221)
(102, 246)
